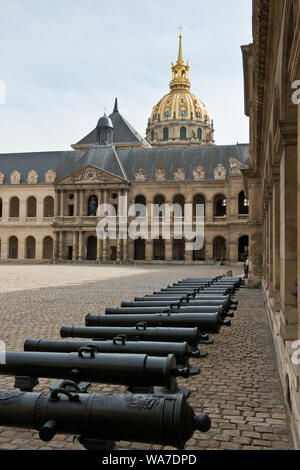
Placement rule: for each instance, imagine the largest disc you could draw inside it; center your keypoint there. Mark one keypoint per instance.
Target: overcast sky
(63, 61)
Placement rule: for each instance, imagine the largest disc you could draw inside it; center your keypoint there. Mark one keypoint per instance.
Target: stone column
(61, 244)
(209, 251)
(74, 250)
(169, 249)
(76, 202)
(255, 238)
(57, 203)
(62, 200)
(270, 243)
(276, 244)
(81, 254)
(209, 211)
(56, 244)
(288, 236)
(148, 250)
(105, 241)
(82, 194)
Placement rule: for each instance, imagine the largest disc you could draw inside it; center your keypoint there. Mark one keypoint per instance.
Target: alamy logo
(296, 354)
(2, 353)
(2, 92)
(152, 222)
(296, 94)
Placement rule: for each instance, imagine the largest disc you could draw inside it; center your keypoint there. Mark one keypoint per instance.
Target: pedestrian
(246, 267)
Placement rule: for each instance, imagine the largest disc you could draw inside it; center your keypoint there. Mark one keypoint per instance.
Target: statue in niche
(93, 204)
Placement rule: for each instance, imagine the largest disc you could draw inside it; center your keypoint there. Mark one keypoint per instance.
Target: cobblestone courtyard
(238, 386)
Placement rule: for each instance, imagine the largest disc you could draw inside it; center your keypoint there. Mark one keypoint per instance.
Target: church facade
(49, 200)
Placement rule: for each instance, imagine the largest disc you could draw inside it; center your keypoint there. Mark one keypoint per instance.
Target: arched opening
(180, 200)
(243, 204)
(243, 247)
(31, 207)
(199, 134)
(199, 255)
(219, 253)
(179, 249)
(140, 200)
(14, 207)
(158, 211)
(48, 206)
(30, 248)
(1, 206)
(91, 248)
(47, 248)
(92, 206)
(13, 248)
(165, 133)
(159, 249)
(139, 249)
(198, 199)
(183, 133)
(220, 203)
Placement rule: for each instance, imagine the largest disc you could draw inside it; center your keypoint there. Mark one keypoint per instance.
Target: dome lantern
(180, 72)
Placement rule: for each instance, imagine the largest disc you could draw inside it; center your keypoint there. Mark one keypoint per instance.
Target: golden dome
(180, 105)
(182, 108)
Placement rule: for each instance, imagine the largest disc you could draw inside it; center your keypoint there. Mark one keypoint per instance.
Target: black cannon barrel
(118, 345)
(191, 291)
(182, 303)
(163, 309)
(140, 332)
(196, 297)
(165, 420)
(205, 322)
(124, 369)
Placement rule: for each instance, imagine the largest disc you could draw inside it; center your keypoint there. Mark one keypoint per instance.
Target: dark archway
(139, 249)
(243, 204)
(220, 205)
(13, 248)
(48, 206)
(14, 207)
(47, 248)
(220, 249)
(91, 248)
(159, 249)
(30, 248)
(243, 247)
(31, 207)
(179, 249)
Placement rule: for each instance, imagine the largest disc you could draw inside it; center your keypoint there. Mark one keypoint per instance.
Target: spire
(180, 57)
(180, 79)
(116, 106)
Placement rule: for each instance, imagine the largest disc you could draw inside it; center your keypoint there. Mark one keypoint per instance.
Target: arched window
(158, 211)
(159, 249)
(220, 249)
(166, 133)
(48, 248)
(30, 248)
(1, 208)
(139, 249)
(199, 133)
(14, 207)
(31, 207)
(179, 199)
(198, 200)
(220, 203)
(243, 204)
(243, 247)
(13, 248)
(48, 206)
(178, 249)
(183, 133)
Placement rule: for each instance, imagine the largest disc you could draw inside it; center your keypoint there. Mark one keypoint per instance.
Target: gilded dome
(180, 105)
(180, 118)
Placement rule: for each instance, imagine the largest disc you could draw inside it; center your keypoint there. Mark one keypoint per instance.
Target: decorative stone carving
(15, 177)
(179, 174)
(91, 175)
(140, 175)
(220, 172)
(236, 167)
(199, 173)
(160, 174)
(50, 176)
(32, 177)
(2, 178)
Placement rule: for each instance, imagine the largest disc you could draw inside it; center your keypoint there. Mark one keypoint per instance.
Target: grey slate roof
(188, 158)
(123, 133)
(125, 162)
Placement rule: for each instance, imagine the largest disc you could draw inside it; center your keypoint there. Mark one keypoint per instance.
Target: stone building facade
(49, 200)
(272, 181)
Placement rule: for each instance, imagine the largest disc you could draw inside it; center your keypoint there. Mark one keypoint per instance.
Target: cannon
(119, 345)
(168, 309)
(205, 322)
(101, 419)
(139, 332)
(133, 370)
(179, 302)
(187, 297)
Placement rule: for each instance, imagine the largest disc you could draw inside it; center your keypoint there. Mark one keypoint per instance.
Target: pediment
(91, 175)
